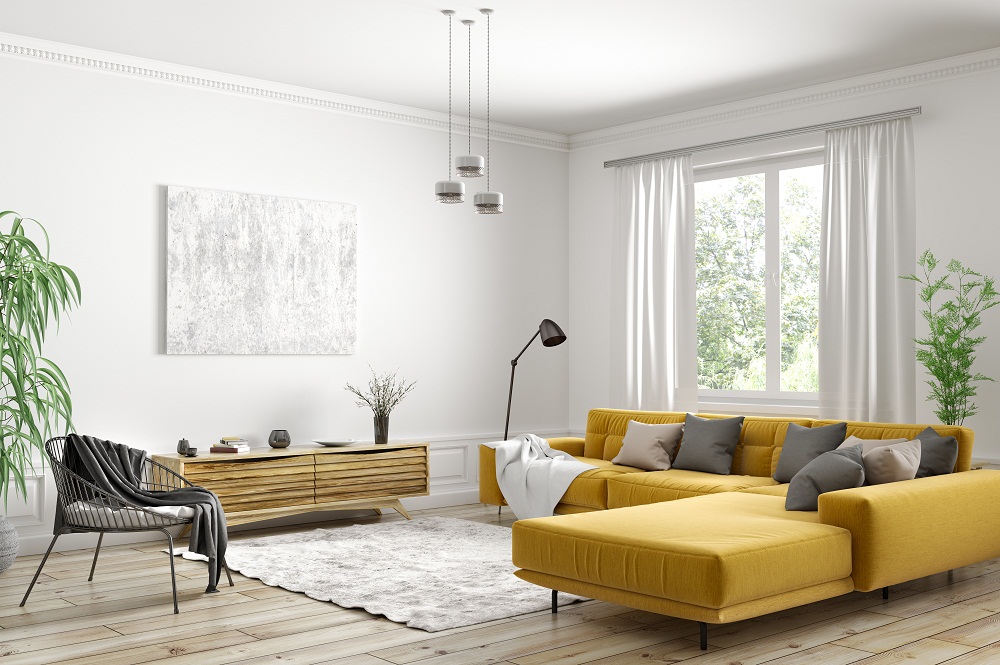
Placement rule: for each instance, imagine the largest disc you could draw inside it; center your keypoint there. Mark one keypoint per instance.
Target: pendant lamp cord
(470, 87)
(449, 97)
(487, 103)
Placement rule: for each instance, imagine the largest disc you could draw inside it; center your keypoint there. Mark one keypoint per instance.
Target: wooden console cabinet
(275, 482)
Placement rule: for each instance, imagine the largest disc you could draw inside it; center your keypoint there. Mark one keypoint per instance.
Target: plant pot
(382, 429)
(9, 544)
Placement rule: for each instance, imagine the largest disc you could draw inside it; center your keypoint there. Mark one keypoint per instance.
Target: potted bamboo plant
(954, 303)
(34, 394)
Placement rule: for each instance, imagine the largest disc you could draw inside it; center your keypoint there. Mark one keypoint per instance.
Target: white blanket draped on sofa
(533, 476)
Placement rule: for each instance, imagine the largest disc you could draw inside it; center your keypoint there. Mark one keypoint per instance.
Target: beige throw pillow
(868, 445)
(649, 447)
(891, 463)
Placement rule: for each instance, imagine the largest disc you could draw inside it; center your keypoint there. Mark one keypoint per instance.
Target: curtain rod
(864, 120)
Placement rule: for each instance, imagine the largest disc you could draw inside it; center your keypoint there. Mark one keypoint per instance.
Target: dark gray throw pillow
(836, 470)
(804, 444)
(938, 454)
(709, 445)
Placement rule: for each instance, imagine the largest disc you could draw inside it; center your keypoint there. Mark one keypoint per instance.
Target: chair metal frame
(108, 513)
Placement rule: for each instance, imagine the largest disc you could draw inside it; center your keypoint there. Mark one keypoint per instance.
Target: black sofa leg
(555, 601)
(885, 593)
(703, 635)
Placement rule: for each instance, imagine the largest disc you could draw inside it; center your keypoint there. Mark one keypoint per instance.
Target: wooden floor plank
(904, 631)
(922, 652)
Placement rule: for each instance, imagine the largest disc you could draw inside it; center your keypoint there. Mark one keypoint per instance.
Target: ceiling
(565, 66)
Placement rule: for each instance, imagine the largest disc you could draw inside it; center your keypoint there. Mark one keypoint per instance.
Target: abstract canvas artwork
(252, 274)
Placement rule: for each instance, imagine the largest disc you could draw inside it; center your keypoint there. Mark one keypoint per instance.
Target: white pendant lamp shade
(488, 203)
(449, 191)
(470, 166)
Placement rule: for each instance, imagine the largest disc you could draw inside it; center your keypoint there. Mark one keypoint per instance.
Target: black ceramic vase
(279, 438)
(381, 429)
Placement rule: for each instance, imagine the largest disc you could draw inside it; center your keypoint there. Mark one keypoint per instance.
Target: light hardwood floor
(124, 617)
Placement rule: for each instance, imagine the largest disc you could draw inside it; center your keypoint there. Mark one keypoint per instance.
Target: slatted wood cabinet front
(273, 483)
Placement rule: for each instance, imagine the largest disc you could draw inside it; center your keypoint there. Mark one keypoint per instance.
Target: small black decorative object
(279, 438)
(183, 446)
(190, 452)
(552, 335)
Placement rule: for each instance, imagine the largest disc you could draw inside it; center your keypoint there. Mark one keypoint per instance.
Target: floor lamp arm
(510, 391)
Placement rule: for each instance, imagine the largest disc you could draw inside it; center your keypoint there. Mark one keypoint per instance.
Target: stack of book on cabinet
(231, 444)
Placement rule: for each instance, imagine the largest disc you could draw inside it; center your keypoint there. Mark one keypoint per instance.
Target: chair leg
(40, 566)
(173, 577)
(225, 566)
(100, 539)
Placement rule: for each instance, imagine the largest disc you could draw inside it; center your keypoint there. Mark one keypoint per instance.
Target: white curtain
(654, 331)
(866, 313)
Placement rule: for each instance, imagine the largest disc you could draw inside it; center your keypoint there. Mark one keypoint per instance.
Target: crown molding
(902, 77)
(78, 57)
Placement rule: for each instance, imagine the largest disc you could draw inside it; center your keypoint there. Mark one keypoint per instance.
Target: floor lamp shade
(552, 335)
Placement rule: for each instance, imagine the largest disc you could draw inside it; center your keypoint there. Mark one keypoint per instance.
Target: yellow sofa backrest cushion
(761, 438)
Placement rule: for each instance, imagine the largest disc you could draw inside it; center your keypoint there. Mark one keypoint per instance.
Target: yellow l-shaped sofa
(729, 550)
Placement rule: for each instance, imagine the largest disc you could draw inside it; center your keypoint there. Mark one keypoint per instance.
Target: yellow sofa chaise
(729, 550)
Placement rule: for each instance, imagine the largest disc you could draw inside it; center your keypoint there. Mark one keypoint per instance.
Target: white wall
(446, 296)
(957, 144)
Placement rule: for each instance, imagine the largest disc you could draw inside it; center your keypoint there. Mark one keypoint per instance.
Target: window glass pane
(729, 219)
(801, 194)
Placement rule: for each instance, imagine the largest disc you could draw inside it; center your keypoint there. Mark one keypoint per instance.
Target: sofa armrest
(568, 444)
(905, 530)
(489, 491)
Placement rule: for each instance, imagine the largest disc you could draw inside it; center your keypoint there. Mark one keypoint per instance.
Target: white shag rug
(431, 573)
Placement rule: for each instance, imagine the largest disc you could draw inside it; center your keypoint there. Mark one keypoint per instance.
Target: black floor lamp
(552, 335)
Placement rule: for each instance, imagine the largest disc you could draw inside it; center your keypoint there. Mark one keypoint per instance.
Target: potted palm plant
(34, 394)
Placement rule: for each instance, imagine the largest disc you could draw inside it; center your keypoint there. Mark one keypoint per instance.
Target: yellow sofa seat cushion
(754, 549)
(590, 488)
(657, 486)
(770, 490)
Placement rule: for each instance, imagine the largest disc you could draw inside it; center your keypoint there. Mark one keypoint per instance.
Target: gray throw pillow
(836, 470)
(804, 444)
(938, 454)
(709, 445)
(649, 447)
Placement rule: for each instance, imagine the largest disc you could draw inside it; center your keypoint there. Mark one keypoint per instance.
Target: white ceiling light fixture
(470, 166)
(488, 203)
(449, 191)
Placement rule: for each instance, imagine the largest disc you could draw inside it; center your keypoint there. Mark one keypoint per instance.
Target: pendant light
(470, 166)
(488, 203)
(449, 191)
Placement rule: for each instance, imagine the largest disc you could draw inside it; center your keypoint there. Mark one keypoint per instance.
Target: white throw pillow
(649, 447)
(892, 463)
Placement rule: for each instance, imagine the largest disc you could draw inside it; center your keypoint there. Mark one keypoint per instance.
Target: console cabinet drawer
(267, 483)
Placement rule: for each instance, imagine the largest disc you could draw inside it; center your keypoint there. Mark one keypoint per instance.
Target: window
(757, 255)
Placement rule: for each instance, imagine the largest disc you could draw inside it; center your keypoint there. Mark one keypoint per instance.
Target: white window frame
(773, 400)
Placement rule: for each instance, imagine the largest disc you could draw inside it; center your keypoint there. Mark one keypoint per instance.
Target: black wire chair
(86, 508)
